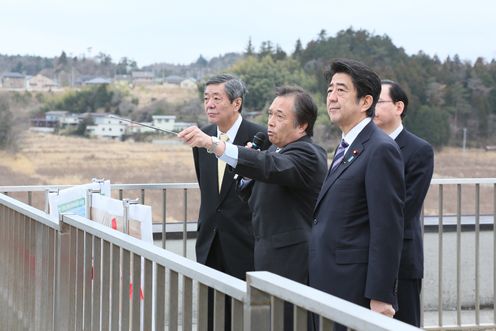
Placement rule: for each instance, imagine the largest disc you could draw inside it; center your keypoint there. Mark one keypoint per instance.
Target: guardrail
(463, 222)
(75, 274)
(267, 292)
(455, 223)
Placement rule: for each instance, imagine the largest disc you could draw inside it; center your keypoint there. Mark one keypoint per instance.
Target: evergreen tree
(298, 49)
(249, 51)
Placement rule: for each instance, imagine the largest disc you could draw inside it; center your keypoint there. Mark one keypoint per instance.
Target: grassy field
(56, 160)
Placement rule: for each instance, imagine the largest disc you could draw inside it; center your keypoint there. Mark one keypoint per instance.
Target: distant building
(55, 119)
(122, 79)
(136, 128)
(98, 81)
(188, 83)
(142, 77)
(165, 122)
(106, 127)
(179, 126)
(173, 79)
(13, 80)
(41, 83)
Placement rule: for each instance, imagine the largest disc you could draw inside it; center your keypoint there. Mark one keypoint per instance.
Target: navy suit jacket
(357, 235)
(224, 215)
(282, 198)
(418, 159)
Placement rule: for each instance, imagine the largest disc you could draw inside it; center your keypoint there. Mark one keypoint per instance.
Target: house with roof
(188, 83)
(173, 79)
(55, 119)
(164, 122)
(106, 126)
(13, 80)
(142, 77)
(41, 83)
(98, 81)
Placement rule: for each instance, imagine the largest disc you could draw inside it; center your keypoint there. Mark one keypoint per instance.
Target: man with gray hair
(225, 235)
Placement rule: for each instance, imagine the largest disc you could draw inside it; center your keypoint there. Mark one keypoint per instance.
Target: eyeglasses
(384, 101)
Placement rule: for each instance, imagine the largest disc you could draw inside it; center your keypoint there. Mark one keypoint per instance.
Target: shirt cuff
(230, 155)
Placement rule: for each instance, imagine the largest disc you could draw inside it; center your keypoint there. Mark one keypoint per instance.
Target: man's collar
(396, 132)
(231, 133)
(355, 131)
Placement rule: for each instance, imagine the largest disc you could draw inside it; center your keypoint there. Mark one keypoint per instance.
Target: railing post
(62, 281)
(125, 217)
(257, 308)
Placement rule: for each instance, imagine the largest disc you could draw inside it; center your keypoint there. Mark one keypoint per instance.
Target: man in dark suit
(225, 234)
(285, 182)
(357, 234)
(418, 159)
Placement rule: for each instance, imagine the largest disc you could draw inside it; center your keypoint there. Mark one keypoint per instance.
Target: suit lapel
(354, 151)
(401, 139)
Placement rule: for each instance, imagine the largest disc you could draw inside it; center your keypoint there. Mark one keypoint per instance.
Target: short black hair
(304, 108)
(234, 87)
(396, 93)
(364, 79)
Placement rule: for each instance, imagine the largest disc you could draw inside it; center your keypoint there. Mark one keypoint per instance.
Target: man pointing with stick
(286, 180)
(225, 234)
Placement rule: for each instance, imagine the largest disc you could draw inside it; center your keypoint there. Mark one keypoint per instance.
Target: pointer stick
(145, 125)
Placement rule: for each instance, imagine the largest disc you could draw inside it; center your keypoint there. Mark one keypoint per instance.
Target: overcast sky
(178, 31)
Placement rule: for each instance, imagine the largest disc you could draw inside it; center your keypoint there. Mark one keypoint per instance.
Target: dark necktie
(338, 157)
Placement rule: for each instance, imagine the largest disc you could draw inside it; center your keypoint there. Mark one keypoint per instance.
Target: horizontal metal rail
(264, 286)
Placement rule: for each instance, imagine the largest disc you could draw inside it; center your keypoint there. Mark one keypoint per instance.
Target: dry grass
(456, 163)
(56, 160)
(172, 93)
(53, 159)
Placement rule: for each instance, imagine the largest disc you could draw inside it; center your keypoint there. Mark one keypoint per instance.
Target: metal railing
(37, 195)
(75, 274)
(268, 292)
(27, 267)
(460, 229)
(459, 217)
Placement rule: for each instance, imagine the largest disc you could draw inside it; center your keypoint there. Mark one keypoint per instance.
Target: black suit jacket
(418, 159)
(286, 185)
(357, 235)
(224, 215)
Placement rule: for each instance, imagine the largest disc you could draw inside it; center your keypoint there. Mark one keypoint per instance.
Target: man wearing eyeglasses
(418, 159)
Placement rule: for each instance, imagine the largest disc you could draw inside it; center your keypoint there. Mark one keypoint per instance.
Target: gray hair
(233, 86)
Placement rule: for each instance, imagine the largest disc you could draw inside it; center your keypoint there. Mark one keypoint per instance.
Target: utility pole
(464, 144)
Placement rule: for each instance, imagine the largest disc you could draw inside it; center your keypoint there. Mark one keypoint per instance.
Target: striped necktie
(221, 165)
(338, 157)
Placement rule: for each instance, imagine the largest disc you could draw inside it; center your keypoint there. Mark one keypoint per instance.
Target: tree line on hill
(447, 97)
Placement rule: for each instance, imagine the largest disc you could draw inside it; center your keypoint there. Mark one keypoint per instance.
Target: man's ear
(302, 128)
(366, 102)
(237, 103)
(400, 106)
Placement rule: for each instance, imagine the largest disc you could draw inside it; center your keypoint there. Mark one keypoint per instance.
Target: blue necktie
(338, 157)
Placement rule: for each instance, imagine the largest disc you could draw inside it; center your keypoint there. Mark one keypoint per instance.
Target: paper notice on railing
(110, 212)
(73, 200)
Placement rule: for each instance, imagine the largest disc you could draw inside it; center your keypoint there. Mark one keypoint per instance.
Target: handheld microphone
(258, 140)
(257, 143)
